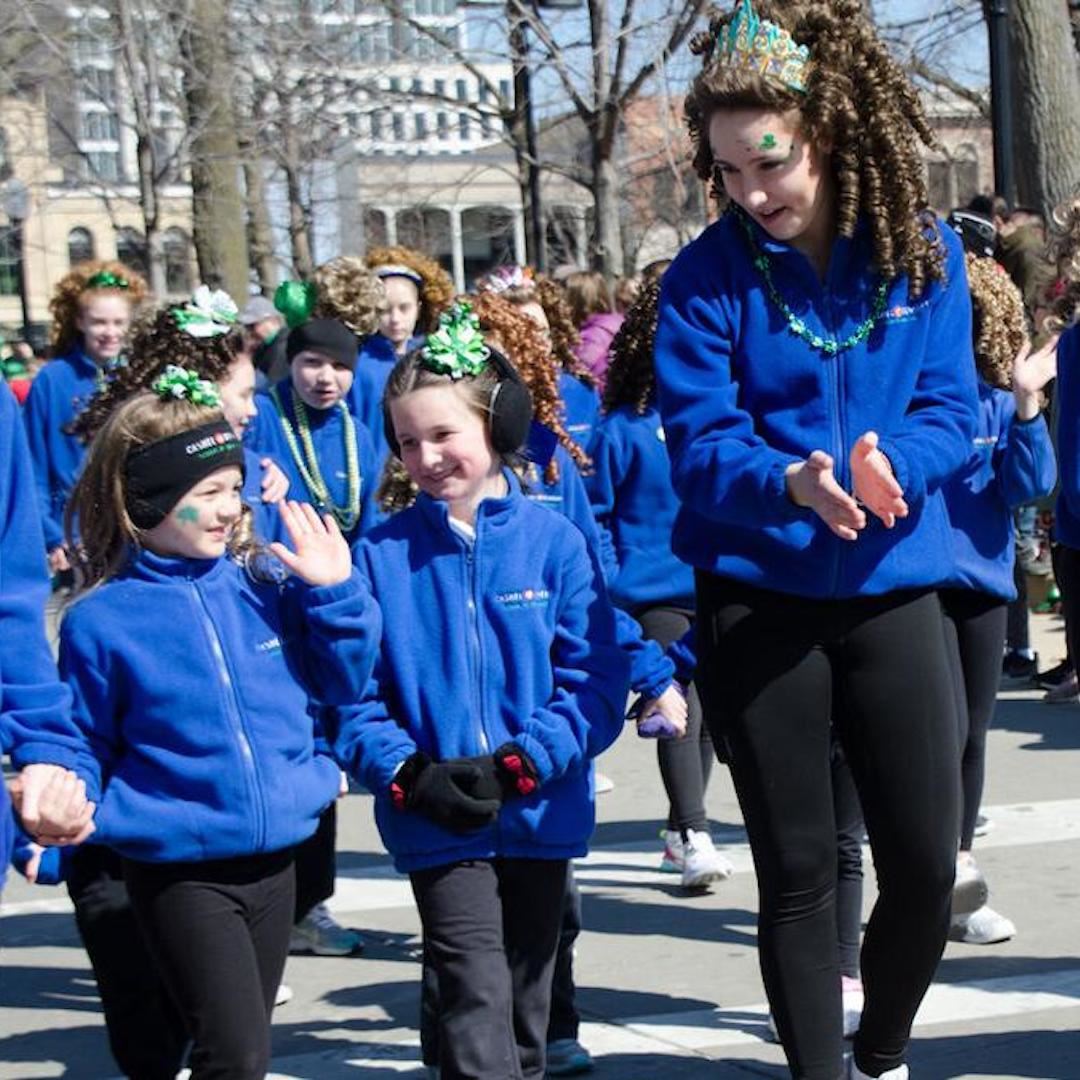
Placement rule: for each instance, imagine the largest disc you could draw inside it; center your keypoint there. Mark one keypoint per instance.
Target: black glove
(507, 773)
(443, 791)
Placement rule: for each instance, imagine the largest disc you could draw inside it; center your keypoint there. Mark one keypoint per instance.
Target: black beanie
(327, 336)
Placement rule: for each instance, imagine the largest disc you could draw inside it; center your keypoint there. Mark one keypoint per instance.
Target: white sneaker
(970, 890)
(852, 1000)
(702, 863)
(603, 784)
(319, 933)
(982, 927)
(674, 857)
(283, 996)
(855, 1073)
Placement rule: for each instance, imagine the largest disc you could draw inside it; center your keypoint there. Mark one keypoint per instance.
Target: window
(377, 125)
(98, 126)
(420, 123)
(398, 125)
(80, 246)
(417, 86)
(463, 125)
(442, 121)
(440, 87)
(176, 252)
(103, 166)
(504, 90)
(460, 90)
(131, 251)
(9, 262)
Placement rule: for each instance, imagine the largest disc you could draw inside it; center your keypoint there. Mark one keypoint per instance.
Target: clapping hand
(813, 484)
(875, 485)
(320, 554)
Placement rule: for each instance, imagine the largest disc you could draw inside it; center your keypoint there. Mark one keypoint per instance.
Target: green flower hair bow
(296, 301)
(457, 347)
(106, 279)
(207, 314)
(177, 382)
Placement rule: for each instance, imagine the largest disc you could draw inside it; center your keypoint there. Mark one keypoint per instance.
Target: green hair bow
(177, 382)
(457, 347)
(106, 279)
(207, 314)
(296, 301)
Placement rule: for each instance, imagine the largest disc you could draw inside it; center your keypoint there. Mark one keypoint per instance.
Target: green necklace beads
(830, 346)
(303, 453)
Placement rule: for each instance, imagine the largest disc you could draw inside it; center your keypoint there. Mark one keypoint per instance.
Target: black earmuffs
(510, 408)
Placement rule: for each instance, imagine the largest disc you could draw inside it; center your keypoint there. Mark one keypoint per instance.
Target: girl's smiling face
(446, 449)
(103, 321)
(200, 524)
(772, 172)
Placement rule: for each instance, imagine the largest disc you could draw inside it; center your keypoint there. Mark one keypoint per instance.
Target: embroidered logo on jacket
(269, 645)
(524, 598)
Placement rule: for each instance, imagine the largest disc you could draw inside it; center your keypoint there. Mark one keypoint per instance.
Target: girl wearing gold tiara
(817, 389)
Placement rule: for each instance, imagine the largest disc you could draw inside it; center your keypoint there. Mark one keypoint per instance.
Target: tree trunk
(299, 221)
(607, 247)
(1048, 102)
(259, 231)
(217, 205)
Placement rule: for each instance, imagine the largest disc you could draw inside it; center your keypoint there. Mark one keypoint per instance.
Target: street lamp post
(997, 20)
(16, 204)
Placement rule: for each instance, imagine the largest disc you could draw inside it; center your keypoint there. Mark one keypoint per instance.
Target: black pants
(1017, 628)
(316, 864)
(146, 1032)
(685, 763)
(219, 932)
(777, 672)
(490, 931)
(565, 1020)
(849, 865)
(1067, 575)
(974, 636)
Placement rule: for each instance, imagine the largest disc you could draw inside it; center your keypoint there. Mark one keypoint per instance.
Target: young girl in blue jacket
(499, 679)
(817, 388)
(633, 500)
(1011, 463)
(91, 308)
(196, 674)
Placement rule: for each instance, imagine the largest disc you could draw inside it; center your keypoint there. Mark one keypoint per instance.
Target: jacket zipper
(477, 650)
(236, 718)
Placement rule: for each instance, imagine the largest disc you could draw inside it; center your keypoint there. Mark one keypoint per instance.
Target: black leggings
(776, 672)
(975, 636)
(685, 764)
(219, 932)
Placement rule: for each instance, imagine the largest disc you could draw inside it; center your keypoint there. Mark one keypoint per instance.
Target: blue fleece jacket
(632, 497)
(266, 519)
(1067, 507)
(59, 392)
(328, 438)
(651, 671)
(376, 361)
(196, 687)
(510, 637)
(1012, 463)
(582, 404)
(35, 707)
(742, 398)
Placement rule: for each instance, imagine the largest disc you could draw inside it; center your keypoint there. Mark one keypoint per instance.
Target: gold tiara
(753, 44)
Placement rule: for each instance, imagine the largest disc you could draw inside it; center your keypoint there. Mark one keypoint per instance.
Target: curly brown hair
(156, 342)
(520, 339)
(1065, 249)
(859, 103)
(999, 328)
(72, 292)
(348, 291)
(437, 290)
(564, 332)
(631, 376)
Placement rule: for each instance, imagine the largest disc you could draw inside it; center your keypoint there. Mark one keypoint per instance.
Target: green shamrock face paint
(768, 141)
(188, 515)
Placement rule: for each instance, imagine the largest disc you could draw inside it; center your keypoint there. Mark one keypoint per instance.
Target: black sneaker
(1016, 666)
(1055, 676)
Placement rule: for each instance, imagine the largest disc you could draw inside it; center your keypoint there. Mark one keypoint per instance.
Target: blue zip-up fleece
(508, 638)
(651, 671)
(196, 687)
(327, 436)
(265, 517)
(742, 398)
(1067, 390)
(35, 706)
(582, 405)
(632, 497)
(1012, 463)
(61, 389)
(376, 360)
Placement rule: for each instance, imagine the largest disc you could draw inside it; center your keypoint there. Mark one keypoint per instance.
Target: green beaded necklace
(308, 463)
(827, 345)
